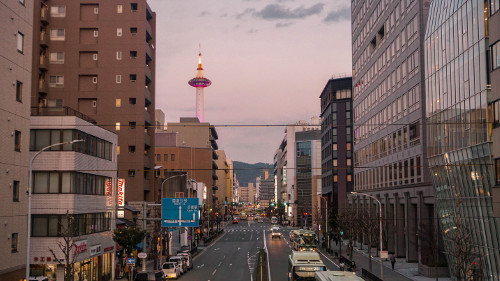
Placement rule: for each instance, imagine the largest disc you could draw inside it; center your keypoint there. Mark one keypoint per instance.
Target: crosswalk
(244, 230)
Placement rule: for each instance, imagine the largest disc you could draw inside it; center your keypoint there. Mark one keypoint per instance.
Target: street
(233, 256)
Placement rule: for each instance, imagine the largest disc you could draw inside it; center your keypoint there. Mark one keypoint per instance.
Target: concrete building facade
(15, 77)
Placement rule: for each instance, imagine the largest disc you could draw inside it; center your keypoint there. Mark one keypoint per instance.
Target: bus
(336, 276)
(303, 266)
(304, 240)
(274, 220)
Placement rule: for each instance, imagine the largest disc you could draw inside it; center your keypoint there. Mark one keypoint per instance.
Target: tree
(350, 224)
(369, 222)
(128, 238)
(68, 231)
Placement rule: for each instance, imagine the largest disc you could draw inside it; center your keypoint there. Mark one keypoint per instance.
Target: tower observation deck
(200, 82)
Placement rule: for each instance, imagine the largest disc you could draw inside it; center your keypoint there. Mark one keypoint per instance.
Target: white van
(181, 263)
(171, 270)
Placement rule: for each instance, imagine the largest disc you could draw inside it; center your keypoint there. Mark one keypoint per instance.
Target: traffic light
(284, 204)
(341, 233)
(272, 204)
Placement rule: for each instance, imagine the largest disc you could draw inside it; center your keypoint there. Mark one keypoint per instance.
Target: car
(260, 220)
(171, 270)
(187, 258)
(38, 278)
(181, 263)
(149, 276)
(235, 220)
(275, 232)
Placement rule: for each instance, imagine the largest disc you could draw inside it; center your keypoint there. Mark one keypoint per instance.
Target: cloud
(204, 13)
(277, 11)
(283, 24)
(338, 15)
(223, 15)
(245, 12)
(252, 30)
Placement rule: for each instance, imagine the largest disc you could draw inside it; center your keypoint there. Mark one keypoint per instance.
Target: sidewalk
(402, 269)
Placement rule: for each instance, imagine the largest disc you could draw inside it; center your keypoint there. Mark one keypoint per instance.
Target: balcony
(149, 57)
(147, 120)
(43, 87)
(44, 39)
(214, 165)
(147, 140)
(214, 155)
(147, 185)
(147, 162)
(44, 63)
(215, 177)
(60, 111)
(147, 96)
(149, 76)
(44, 14)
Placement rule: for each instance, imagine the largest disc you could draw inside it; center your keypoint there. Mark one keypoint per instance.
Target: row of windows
(59, 11)
(58, 57)
(69, 182)
(57, 81)
(494, 109)
(165, 157)
(404, 172)
(495, 55)
(70, 225)
(59, 34)
(91, 145)
(399, 140)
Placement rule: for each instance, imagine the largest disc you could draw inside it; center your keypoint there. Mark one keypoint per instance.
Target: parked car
(180, 262)
(189, 259)
(149, 276)
(235, 220)
(171, 270)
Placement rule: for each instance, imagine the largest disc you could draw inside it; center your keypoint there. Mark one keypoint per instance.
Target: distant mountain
(246, 173)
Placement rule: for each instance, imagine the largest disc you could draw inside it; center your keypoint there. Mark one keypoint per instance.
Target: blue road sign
(130, 261)
(179, 212)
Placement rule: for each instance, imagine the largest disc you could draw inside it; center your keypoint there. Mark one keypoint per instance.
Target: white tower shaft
(200, 112)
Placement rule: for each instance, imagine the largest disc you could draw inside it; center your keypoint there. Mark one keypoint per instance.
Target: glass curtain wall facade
(304, 191)
(459, 139)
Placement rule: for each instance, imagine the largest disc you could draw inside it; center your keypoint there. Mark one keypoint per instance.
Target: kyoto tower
(200, 82)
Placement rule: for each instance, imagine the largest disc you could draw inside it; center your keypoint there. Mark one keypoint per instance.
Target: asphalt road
(233, 256)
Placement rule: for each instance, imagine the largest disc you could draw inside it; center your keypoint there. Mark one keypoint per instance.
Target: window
(494, 6)
(172, 157)
(131, 173)
(133, 30)
(20, 42)
(96, 33)
(132, 100)
(58, 11)
(57, 34)
(118, 78)
(17, 140)
(117, 126)
(118, 102)
(13, 238)
(19, 91)
(119, 55)
(94, 56)
(131, 125)
(117, 150)
(133, 54)
(133, 7)
(131, 148)
(158, 157)
(133, 77)
(119, 31)
(94, 102)
(96, 11)
(56, 81)
(94, 79)
(15, 191)
(119, 9)
(56, 58)
(495, 55)
(165, 157)
(497, 171)
(495, 113)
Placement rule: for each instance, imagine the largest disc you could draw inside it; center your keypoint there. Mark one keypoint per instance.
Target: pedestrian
(342, 266)
(353, 266)
(393, 260)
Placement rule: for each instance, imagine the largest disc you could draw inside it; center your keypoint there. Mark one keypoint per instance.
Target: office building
(15, 77)
(99, 59)
(389, 117)
(74, 193)
(336, 143)
(463, 97)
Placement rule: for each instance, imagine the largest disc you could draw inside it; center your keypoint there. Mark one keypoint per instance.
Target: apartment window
(15, 191)
(495, 55)
(96, 33)
(494, 6)
(133, 54)
(96, 11)
(133, 7)
(20, 42)
(131, 173)
(57, 34)
(131, 148)
(118, 102)
(17, 140)
(19, 91)
(335, 163)
(497, 171)
(94, 80)
(118, 78)
(119, 9)
(119, 31)
(119, 55)
(94, 56)
(117, 126)
(165, 157)
(495, 113)
(131, 125)
(56, 81)
(133, 77)
(56, 58)
(132, 100)
(172, 157)
(14, 238)
(58, 11)
(117, 150)
(133, 30)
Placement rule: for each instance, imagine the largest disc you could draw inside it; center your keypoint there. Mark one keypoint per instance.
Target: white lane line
(267, 253)
(217, 240)
(213, 273)
(328, 259)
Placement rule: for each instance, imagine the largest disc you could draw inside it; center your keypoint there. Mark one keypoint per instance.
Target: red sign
(121, 193)
(108, 187)
(80, 247)
(109, 249)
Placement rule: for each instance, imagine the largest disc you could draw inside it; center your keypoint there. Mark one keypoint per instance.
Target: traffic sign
(189, 237)
(384, 254)
(131, 261)
(179, 212)
(142, 255)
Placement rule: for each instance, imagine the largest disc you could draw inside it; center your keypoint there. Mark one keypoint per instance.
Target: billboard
(121, 193)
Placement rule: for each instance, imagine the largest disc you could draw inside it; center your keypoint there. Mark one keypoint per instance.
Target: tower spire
(200, 82)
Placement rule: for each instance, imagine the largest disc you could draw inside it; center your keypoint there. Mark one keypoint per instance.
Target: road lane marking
(267, 254)
(328, 259)
(213, 273)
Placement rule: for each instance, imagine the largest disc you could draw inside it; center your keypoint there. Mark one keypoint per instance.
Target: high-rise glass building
(461, 131)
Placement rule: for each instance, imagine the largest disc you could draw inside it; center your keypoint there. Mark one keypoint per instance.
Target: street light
(380, 226)
(30, 187)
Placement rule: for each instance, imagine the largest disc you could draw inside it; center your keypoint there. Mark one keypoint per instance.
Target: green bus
(302, 266)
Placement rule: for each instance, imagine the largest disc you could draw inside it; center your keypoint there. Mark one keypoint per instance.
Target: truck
(302, 266)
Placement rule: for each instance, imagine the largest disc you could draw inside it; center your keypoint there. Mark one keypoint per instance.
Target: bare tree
(350, 224)
(369, 224)
(68, 231)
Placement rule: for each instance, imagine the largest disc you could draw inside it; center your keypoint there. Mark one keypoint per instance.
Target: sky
(268, 61)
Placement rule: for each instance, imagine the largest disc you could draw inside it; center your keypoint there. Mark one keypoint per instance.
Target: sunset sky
(268, 61)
